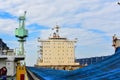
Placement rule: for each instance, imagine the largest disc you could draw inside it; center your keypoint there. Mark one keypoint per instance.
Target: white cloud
(7, 26)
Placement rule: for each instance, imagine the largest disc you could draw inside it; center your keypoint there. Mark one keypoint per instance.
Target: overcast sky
(93, 22)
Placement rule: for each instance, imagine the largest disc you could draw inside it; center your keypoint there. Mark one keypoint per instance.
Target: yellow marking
(21, 70)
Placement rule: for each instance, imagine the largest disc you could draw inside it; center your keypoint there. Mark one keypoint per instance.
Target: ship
(9, 59)
(12, 61)
(107, 69)
(57, 52)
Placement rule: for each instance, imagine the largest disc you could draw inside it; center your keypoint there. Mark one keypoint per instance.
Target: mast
(56, 33)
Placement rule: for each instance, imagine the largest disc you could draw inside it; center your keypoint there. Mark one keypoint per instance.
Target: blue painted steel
(91, 60)
(108, 69)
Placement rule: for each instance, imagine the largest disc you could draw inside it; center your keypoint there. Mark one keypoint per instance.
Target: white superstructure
(57, 51)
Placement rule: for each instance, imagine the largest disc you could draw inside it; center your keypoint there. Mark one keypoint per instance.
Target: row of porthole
(59, 58)
(56, 47)
(59, 50)
(59, 43)
(59, 62)
(60, 54)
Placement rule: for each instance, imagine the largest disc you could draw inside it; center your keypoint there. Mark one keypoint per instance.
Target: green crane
(21, 33)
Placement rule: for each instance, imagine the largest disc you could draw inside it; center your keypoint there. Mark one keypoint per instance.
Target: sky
(93, 22)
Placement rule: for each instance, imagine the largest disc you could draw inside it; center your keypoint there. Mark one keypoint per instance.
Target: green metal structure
(21, 33)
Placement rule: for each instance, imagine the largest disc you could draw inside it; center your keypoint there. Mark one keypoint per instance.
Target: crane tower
(21, 33)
